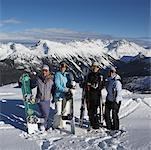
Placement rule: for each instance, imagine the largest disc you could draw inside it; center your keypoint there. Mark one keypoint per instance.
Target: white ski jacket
(114, 89)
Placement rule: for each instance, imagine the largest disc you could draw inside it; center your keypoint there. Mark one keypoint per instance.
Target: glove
(73, 83)
(53, 101)
(72, 91)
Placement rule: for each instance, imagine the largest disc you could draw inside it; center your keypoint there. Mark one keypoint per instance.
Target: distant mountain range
(78, 54)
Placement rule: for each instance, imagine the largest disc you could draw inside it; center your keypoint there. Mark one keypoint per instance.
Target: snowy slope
(118, 49)
(5, 50)
(135, 119)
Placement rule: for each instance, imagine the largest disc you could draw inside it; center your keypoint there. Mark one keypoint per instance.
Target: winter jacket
(95, 81)
(114, 88)
(61, 89)
(93, 86)
(44, 88)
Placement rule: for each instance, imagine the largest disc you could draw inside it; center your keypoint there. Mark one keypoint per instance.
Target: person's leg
(44, 107)
(96, 104)
(115, 116)
(57, 116)
(90, 112)
(107, 115)
(96, 118)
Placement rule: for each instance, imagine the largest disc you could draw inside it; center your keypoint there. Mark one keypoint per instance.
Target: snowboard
(30, 105)
(101, 104)
(70, 117)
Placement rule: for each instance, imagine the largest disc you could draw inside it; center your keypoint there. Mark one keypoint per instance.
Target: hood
(117, 77)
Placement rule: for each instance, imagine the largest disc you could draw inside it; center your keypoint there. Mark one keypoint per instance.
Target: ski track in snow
(148, 104)
(6, 94)
(21, 106)
(128, 109)
(73, 142)
(139, 126)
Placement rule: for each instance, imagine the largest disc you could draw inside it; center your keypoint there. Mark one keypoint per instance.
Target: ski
(101, 103)
(82, 109)
(73, 118)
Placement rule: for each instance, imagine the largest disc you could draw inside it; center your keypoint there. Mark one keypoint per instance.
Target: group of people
(94, 83)
(58, 87)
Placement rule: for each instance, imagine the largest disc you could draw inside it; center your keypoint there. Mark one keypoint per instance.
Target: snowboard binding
(29, 98)
(32, 119)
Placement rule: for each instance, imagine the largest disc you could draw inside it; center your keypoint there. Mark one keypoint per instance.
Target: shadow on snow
(13, 112)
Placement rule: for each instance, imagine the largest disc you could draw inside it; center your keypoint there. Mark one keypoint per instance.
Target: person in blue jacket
(113, 99)
(62, 89)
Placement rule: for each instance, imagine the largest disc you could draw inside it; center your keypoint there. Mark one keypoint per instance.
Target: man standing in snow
(44, 84)
(113, 99)
(94, 85)
(44, 93)
(62, 95)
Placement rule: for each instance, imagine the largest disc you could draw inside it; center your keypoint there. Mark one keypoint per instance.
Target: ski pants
(112, 123)
(44, 107)
(62, 109)
(93, 102)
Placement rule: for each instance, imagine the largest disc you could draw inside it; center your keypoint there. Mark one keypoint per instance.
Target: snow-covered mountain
(116, 48)
(78, 54)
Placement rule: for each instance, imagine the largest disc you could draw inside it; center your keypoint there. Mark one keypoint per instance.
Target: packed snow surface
(135, 116)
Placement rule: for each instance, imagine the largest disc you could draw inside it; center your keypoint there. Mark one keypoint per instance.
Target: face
(45, 72)
(63, 67)
(111, 73)
(95, 68)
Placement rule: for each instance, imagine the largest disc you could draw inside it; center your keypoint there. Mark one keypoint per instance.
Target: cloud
(10, 21)
(35, 34)
(61, 34)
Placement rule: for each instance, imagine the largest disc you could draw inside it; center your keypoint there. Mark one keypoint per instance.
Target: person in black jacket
(94, 85)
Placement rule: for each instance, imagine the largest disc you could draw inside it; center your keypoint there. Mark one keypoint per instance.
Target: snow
(135, 114)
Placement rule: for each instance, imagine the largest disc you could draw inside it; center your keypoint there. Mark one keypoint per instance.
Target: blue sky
(116, 18)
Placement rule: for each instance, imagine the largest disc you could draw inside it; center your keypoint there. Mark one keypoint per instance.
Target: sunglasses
(63, 66)
(95, 66)
(45, 70)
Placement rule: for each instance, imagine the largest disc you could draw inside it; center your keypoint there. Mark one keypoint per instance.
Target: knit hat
(96, 64)
(63, 63)
(112, 69)
(45, 67)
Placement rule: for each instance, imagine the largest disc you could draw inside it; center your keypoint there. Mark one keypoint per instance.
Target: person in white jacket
(113, 99)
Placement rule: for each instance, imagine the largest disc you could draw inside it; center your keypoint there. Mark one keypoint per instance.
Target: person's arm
(33, 82)
(118, 88)
(19, 83)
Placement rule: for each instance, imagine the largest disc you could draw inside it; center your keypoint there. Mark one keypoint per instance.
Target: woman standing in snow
(62, 82)
(113, 99)
(94, 85)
